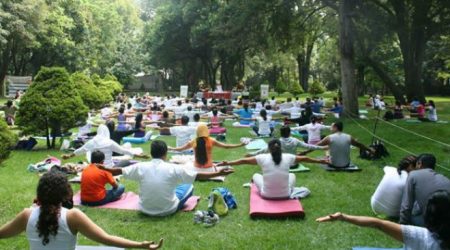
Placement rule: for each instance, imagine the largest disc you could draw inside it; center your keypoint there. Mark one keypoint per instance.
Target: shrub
(8, 140)
(296, 89)
(280, 87)
(91, 95)
(51, 105)
(316, 88)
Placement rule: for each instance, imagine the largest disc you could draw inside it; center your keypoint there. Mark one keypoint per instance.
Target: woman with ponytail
(275, 182)
(49, 225)
(202, 146)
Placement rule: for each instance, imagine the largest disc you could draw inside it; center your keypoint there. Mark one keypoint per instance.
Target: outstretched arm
(81, 223)
(207, 176)
(182, 148)
(324, 142)
(16, 226)
(223, 145)
(390, 228)
(360, 145)
(248, 161)
(113, 171)
(299, 158)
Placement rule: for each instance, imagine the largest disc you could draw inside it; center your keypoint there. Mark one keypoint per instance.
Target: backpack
(26, 144)
(388, 116)
(227, 196)
(380, 151)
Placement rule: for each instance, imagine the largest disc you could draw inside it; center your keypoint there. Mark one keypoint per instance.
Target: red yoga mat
(260, 207)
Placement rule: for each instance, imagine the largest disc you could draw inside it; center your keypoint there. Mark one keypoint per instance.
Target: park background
(348, 48)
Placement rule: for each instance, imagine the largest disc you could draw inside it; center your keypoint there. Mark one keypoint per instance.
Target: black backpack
(380, 151)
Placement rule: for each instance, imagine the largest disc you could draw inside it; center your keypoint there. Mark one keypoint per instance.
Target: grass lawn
(331, 192)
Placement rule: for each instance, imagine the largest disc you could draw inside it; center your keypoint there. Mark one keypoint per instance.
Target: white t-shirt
(183, 134)
(416, 238)
(276, 177)
(107, 151)
(263, 126)
(157, 182)
(63, 240)
(388, 195)
(313, 131)
(432, 114)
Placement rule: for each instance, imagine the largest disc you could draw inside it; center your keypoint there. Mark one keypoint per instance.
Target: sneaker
(199, 216)
(210, 219)
(217, 204)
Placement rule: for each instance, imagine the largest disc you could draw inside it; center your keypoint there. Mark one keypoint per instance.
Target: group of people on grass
(424, 110)
(413, 192)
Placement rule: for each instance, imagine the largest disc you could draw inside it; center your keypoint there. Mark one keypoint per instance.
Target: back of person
(64, 239)
(245, 114)
(183, 134)
(276, 177)
(388, 195)
(264, 126)
(121, 119)
(432, 114)
(340, 149)
(93, 181)
(157, 181)
(215, 121)
(426, 182)
(289, 145)
(209, 143)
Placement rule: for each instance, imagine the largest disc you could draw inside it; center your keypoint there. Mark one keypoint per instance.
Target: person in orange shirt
(203, 146)
(93, 181)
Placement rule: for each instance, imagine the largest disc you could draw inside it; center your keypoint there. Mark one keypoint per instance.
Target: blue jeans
(111, 195)
(183, 192)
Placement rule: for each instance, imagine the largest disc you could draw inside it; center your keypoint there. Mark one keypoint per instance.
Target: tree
(280, 87)
(347, 58)
(295, 88)
(316, 88)
(8, 140)
(415, 23)
(90, 94)
(51, 105)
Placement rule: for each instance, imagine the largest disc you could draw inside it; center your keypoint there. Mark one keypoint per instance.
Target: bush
(91, 95)
(8, 140)
(296, 89)
(108, 84)
(316, 88)
(51, 105)
(280, 87)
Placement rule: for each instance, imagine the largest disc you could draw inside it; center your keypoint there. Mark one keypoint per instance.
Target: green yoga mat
(363, 111)
(299, 168)
(413, 121)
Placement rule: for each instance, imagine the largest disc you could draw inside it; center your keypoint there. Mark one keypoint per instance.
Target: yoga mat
(351, 168)
(413, 121)
(375, 248)
(260, 207)
(130, 201)
(442, 122)
(238, 125)
(134, 140)
(299, 168)
(97, 248)
(363, 111)
(256, 144)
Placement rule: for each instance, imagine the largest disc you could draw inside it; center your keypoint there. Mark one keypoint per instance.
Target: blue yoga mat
(256, 144)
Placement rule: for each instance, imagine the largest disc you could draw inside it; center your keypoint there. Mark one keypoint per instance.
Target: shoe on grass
(210, 219)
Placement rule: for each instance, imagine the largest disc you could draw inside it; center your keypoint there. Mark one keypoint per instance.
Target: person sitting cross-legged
(93, 181)
(339, 144)
(276, 182)
(165, 187)
(49, 225)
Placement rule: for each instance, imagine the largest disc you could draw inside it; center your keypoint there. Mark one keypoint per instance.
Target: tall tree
(347, 58)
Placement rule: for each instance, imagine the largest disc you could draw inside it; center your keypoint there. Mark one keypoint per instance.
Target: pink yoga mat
(260, 207)
(130, 201)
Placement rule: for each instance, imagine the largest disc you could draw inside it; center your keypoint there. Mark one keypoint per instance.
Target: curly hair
(437, 217)
(52, 191)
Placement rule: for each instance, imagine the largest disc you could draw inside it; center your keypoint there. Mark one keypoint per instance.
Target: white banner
(183, 91)
(264, 91)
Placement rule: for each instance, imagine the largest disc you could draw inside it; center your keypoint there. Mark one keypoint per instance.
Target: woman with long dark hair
(275, 182)
(51, 226)
(203, 146)
(435, 235)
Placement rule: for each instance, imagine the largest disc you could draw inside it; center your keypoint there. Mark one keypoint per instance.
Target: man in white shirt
(183, 133)
(164, 187)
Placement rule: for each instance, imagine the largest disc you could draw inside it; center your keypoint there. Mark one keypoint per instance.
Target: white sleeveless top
(64, 239)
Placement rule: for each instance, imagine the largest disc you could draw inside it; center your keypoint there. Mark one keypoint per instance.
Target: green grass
(331, 192)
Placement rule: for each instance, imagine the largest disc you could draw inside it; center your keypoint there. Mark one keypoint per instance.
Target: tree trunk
(307, 65)
(346, 49)
(387, 80)
(360, 81)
